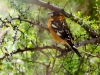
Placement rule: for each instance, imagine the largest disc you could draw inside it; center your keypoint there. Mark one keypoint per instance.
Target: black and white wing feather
(62, 30)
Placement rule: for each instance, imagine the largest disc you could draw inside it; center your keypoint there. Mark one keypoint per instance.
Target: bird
(60, 31)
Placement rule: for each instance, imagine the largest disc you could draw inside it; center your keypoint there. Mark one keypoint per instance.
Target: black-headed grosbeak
(60, 31)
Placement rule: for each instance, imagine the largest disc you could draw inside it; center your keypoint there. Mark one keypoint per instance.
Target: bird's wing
(61, 29)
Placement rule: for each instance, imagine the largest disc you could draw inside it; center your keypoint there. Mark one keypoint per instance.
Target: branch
(91, 41)
(30, 49)
(47, 69)
(31, 22)
(52, 7)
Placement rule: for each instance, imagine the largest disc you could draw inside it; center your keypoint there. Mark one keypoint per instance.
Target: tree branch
(91, 41)
(30, 49)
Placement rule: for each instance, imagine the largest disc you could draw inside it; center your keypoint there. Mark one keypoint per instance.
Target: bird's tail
(76, 51)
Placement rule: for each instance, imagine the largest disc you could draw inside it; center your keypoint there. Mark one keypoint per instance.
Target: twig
(2, 33)
(88, 53)
(31, 22)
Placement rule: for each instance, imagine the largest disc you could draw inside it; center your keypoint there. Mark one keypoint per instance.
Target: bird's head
(56, 14)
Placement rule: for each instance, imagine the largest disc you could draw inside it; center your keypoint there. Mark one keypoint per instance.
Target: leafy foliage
(26, 47)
